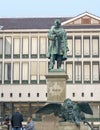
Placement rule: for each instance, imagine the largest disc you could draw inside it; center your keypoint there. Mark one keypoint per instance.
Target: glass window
(20, 94)
(25, 71)
(11, 94)
(87, 72)
(7, 71)
(7, 109)
(70, 46)
(25, 47)
(1, 46)
(42, 69)
(0, 71)
(78, 72)
(16, 71)
(82, 94)
(42, 46)
(2, 94)
(46, 94)
(33, 72)
(16, 46)
(38, 94)
(78, 46)
(73, 94)
(70, 71)
(95, 71)
(29, 95)
(86, 47)
(34, 43)
(91, 94)
(7, 47)
(95, 47)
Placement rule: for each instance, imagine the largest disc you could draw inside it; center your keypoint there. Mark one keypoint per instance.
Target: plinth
(71, 126)
(56, 86)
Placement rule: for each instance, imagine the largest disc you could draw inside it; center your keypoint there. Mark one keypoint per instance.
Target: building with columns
(23, 62)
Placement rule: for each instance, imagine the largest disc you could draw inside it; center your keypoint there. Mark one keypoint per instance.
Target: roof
(28, 23)
(46, 23)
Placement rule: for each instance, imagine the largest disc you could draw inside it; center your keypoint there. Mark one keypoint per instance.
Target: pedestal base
(50, 122)
(56, 86)
(71, 126)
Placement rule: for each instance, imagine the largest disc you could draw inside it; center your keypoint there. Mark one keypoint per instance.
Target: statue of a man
(57, 45)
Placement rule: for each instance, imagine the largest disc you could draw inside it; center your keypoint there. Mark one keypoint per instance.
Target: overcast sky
(48, 8)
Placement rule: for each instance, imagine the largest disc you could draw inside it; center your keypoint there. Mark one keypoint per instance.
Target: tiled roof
(38, 23)
(28, 23)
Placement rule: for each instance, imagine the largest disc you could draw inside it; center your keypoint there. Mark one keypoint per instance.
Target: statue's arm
(51, 34)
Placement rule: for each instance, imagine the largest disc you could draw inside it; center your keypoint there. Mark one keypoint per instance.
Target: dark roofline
(7, 24)
(29, 23)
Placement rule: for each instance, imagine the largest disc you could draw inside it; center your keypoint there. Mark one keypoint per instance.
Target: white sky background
(48, 8)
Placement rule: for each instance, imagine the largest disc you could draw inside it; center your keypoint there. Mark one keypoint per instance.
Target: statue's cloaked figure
(57, 45)
(69, 111)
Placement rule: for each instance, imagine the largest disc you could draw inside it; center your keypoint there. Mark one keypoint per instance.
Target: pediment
(85, 18)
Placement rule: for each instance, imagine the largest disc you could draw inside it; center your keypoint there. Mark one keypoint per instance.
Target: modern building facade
(23, 62)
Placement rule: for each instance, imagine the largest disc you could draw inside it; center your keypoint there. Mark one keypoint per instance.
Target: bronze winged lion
(68, 111)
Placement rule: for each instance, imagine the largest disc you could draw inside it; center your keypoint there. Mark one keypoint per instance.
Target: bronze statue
(57, 41)
(69, 111)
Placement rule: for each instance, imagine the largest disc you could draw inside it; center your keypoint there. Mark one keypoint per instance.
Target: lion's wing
(85, 107)
(50, 108)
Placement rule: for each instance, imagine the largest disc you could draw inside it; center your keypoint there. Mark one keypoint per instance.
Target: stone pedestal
(56, 86)
(50, 122)
(71, 126)
(67, 126)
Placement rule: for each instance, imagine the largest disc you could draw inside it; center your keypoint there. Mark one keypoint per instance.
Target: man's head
(29, 119)
(57, 23)
(17, 110)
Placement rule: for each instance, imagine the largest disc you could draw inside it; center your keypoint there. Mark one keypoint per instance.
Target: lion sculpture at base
(68, 111)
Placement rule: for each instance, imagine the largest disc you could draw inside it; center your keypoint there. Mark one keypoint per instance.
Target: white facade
(20, 70)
